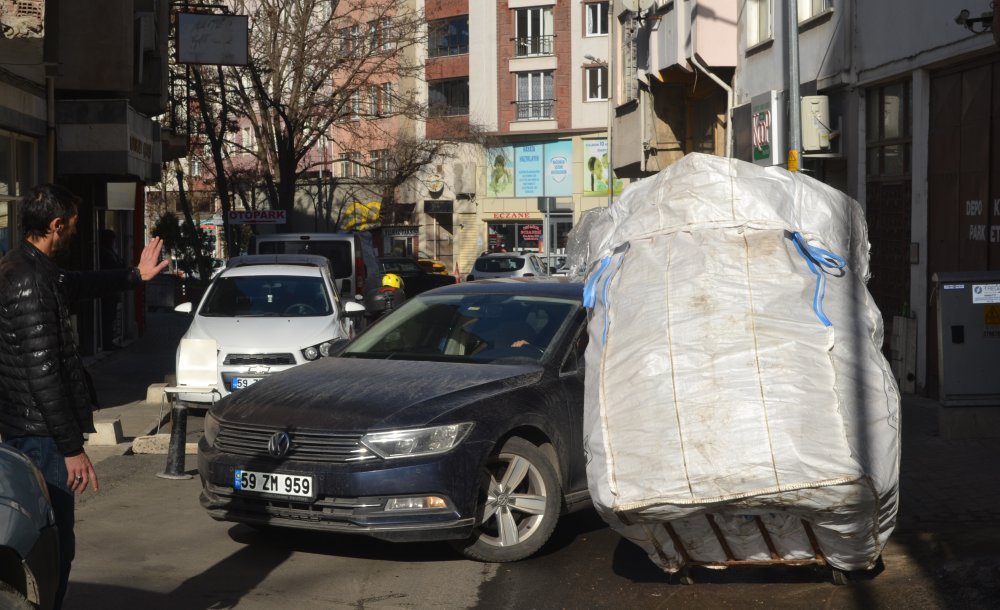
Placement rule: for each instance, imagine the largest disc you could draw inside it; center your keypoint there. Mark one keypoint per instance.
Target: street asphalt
(949, 515)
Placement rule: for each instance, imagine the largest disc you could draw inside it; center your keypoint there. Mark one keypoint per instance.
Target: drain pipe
(50, 128)
(729, 101)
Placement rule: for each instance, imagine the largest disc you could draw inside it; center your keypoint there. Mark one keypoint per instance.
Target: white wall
(585, 114)
(483, 64)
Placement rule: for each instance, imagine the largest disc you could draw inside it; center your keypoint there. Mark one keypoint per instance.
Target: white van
(351, 255)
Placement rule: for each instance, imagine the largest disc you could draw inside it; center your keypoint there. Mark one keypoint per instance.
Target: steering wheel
(301, 309)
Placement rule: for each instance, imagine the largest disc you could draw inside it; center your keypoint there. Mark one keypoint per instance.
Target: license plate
(241, 382)
(295, 485)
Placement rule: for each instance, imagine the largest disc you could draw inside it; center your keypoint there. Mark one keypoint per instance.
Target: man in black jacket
(45, 404)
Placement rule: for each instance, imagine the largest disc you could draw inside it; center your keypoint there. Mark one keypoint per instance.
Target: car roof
(308, 260)
(508, 254)
(271, 269)
(560, 287)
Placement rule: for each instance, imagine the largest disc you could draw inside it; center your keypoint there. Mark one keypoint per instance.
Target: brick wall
(439, 9)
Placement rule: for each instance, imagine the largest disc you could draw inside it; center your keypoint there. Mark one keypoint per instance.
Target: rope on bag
(817, 259)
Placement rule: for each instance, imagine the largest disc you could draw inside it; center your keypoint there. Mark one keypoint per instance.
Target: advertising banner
(596, 169)
(559, 169)
(528, 165)
(500, 182)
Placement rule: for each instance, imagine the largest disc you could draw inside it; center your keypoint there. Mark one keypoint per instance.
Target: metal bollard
(177, 446)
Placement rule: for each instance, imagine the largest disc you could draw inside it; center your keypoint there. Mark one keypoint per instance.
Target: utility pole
(794, 102)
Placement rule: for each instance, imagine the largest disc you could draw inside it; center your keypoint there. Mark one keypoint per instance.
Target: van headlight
(413, 443)
(316, 351)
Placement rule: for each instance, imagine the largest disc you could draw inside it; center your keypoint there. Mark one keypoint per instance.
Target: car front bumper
(352, 497)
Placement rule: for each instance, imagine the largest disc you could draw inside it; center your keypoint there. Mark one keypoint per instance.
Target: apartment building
(900, 106)
(79, 83)
(530, 80)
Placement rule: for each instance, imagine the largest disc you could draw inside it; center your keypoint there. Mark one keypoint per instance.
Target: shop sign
(438, 206)
(401, 231)
(531, 232)
(766, 128)
(257, 217)
(510, 215)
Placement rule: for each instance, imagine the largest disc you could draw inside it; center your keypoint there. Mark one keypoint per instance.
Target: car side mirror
(184, 308)
(353, 309)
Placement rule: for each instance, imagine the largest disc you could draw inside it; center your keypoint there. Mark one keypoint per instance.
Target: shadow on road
(285, 540)
(219, 587)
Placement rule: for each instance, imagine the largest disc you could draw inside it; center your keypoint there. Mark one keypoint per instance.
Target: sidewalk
(128, 381)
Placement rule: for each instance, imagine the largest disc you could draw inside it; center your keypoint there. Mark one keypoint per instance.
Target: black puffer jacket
(43, 389)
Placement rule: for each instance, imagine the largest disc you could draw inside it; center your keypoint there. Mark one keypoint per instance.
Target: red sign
(531, 232)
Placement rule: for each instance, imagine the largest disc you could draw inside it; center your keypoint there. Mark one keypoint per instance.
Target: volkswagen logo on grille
(279, 444)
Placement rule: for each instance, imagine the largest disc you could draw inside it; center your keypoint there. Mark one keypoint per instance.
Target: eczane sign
(257, 217)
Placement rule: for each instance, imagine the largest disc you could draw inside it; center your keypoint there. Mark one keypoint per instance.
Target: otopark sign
(258, 217)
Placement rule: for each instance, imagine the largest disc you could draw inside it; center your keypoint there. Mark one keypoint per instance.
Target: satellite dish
(637, 5)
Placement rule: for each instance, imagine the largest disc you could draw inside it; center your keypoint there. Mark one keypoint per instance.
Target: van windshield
(337, 252)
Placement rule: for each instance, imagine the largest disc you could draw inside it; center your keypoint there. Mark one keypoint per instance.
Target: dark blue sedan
(457, 417)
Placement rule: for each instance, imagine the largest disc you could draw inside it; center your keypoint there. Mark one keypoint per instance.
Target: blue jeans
(43, 452)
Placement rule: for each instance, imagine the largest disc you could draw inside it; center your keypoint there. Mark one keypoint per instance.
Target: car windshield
(499, 264)
(267, 295)
(467, 328)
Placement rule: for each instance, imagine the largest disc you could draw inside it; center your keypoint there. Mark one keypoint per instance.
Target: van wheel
(520, 500)
(11, 599)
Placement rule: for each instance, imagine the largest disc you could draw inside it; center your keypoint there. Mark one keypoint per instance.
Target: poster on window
(528, 165)
(559, 169)
(596, 169)
(500, 176)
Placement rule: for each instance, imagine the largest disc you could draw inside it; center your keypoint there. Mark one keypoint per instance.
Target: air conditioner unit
(815, 123)
(463, 178)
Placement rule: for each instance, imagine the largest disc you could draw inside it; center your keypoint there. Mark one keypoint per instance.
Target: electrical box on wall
(815, 123)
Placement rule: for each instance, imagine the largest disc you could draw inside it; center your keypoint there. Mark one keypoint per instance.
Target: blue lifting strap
(817, 258)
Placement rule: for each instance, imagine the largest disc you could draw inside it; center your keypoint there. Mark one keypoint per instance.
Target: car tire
(520, 501)
(11, 598)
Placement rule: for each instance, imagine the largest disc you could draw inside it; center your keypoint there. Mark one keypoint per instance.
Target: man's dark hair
(43, 204)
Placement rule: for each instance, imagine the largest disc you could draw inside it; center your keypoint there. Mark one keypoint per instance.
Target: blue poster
(528, 165)
(559, 169)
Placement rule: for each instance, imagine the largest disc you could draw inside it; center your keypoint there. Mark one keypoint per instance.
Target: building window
(535, 96)
(810, 8)
(356, 106)
(448, 36)
(889, 137)
(758, 21)
(194, 167)
(448, 97)
(534, 31)
(349, 165)
(379, 164)
(373, 106)
(246, 139)
(18, 168)
(387, 103)
(597, 83)
(388, 44)
(597, 19)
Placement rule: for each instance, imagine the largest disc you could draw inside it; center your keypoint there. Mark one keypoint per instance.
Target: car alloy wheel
(519, 505)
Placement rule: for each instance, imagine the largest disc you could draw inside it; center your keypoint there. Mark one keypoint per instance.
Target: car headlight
(315, 351)
(413, 443)
(211, 429)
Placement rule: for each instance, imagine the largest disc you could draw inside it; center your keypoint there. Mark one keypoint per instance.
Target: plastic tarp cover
(734, 369)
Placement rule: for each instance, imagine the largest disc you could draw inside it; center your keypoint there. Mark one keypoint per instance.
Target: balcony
(532, 46)
(535, 110)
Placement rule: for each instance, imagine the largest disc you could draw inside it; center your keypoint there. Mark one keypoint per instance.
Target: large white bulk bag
(734, 375)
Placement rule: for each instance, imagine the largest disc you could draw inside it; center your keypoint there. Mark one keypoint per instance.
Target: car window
(473, 328)
(267, 295)
(499, 264)
(337, 252)
(400, 266)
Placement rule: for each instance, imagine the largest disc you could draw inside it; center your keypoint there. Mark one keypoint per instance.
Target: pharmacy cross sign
(762, 135)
